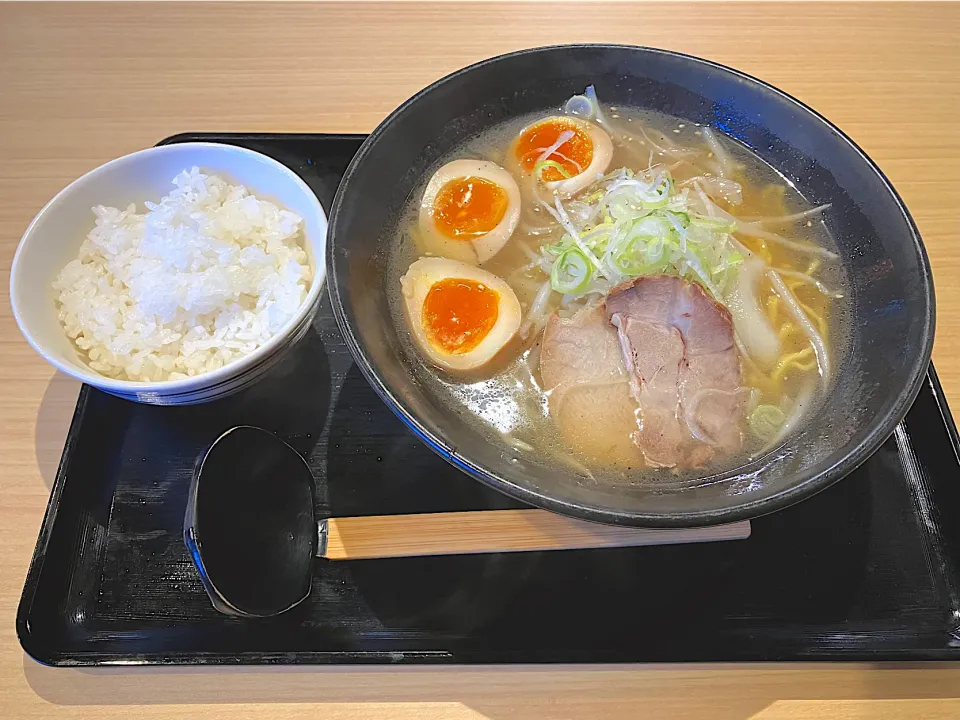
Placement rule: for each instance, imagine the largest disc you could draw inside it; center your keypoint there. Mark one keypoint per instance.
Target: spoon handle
(493, 531)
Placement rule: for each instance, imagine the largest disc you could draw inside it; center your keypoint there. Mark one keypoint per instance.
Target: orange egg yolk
(574, 156)
(459, 313)
(468, 207)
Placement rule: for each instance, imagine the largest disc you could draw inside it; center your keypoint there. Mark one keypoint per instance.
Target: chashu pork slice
(589, 389)
(678, 349)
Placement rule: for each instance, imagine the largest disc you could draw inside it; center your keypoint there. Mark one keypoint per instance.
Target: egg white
(480, 249)
(602, 155)
(421, 277)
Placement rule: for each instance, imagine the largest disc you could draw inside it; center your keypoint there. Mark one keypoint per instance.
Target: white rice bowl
(203, 278)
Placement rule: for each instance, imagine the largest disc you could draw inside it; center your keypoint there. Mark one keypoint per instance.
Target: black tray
(865, 570)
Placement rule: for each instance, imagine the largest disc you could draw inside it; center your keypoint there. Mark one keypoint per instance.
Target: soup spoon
(251, 529)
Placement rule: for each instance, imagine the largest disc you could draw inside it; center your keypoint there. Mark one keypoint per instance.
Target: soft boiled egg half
(461, 316)
(469, 210)
(566, 153)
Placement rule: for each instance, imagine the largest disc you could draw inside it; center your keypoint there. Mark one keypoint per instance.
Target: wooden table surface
(82, 83)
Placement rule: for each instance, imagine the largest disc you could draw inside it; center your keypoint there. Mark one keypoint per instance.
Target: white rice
(206, 276)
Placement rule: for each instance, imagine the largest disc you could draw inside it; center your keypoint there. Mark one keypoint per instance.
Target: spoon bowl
(250, 524)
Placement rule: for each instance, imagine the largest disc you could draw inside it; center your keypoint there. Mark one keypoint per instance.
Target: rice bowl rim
(132, 388)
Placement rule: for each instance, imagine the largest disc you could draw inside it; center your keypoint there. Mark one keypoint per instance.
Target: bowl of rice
(174, 275)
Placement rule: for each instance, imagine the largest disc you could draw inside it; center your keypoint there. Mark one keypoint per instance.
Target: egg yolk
(468, 207)
(459, 313)
(574, 156)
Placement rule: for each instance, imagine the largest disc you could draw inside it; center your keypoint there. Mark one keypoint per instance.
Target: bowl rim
(171, 388)
(808, 483)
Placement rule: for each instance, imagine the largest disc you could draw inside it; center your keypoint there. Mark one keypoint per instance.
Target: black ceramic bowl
(891, 301)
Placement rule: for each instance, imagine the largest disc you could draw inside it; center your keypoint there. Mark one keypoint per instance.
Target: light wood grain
(452, 533)
(80, 84)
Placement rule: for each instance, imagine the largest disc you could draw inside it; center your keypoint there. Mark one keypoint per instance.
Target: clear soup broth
(746, 247)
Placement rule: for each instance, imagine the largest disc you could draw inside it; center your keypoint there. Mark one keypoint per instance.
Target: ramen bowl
(889, 305)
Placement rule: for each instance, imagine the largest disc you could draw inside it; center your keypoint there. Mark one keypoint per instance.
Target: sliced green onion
(618, 174)
(642, 255)
(544, 164)
(654, 205)
(713, 224)
(638, 224)
(657, 195)
(571, 272)
(661, 196)
(766, 421)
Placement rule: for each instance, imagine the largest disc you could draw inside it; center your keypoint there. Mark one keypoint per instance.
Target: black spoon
(252, 533)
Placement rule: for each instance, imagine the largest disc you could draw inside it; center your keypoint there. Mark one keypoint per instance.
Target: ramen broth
(506, 397)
